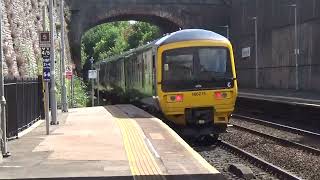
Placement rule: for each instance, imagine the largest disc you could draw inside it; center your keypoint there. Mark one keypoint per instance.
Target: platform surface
(283, 96)
(113, 142)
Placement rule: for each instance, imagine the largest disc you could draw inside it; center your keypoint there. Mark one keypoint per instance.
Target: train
(188, 76)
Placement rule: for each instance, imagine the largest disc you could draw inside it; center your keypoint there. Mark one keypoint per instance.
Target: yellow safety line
(137, 143)
(196, 155)
(141, 160)
(141, 154)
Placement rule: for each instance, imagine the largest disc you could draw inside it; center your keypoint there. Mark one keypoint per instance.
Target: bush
(81, 97)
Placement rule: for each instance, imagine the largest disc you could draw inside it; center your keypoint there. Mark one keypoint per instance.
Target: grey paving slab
(87, 143)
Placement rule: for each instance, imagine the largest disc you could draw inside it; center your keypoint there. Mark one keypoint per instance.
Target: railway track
(303, 133)
(277, 171)
(255, 162)
(278, 126)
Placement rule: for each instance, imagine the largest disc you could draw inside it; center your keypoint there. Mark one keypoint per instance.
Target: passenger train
(189, 76)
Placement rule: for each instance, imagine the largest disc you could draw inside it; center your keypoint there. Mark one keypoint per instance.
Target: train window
(189, 68)
(178, 66)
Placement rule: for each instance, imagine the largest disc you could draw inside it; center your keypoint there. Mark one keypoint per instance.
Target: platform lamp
(255, 19)
(227, 29)
(3, 102)
(296, 49)
(64, 100)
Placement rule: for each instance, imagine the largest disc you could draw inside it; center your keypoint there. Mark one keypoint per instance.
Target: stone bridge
(169, 15)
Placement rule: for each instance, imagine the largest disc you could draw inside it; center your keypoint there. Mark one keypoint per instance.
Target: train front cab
(192, 96)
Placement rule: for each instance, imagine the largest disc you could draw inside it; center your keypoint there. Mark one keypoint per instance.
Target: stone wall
(276, 45)
(22, 20)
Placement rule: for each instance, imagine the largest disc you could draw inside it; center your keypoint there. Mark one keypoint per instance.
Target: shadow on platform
(147, 177)
(127, 111)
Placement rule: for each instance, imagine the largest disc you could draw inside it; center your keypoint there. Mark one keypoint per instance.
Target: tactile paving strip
(141, 160)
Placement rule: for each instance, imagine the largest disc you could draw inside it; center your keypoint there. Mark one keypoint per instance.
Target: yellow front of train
(196, 84)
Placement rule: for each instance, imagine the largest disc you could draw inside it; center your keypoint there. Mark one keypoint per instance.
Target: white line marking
(10, 166)
(151, 147)
(29, 129)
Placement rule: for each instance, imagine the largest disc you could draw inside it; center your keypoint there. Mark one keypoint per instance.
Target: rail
(258, 161)
(278, 126)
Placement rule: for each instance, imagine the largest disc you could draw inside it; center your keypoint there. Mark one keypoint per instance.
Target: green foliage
(106, 40)
(111, 39)
(80, 98)
(142, 33)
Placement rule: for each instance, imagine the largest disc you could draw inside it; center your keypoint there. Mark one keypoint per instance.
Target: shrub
(81, 97)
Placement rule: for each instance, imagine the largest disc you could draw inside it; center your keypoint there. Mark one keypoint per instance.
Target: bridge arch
(169, 17)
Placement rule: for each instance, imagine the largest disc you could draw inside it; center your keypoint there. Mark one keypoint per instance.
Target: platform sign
(92, 74)
(246, 52)
(45, 53)
(44, 39)
(69, 72)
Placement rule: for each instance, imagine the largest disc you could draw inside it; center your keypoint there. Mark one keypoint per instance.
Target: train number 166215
(198, 93)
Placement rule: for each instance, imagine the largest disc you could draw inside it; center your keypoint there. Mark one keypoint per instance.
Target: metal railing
(24, 104)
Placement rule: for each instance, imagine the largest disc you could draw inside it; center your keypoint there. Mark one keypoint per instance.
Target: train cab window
(191, 68)
(207, 63)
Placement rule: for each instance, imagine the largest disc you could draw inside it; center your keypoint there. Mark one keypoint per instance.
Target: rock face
(22, 20)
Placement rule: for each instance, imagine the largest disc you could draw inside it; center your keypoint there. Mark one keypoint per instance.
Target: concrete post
(256, 50)
(296, 50)
(63, 68)
(3, 102)
(46, 83)
(52, 73)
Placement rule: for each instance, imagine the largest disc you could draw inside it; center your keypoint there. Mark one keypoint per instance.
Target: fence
(24, 104)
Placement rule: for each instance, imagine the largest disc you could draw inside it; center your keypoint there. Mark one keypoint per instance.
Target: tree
(141, 33)
(112, 39)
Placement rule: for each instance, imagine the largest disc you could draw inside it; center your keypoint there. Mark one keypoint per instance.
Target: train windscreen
(196, 68)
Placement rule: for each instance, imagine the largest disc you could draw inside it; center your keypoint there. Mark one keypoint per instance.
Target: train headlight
(221, 95)
(175, 98)
(179, 98)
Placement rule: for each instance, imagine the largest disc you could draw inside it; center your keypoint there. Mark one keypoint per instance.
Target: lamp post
(227, 29)
(3, 102)
(255, 19)
(296, 48)
(63, 68)
(52, 73)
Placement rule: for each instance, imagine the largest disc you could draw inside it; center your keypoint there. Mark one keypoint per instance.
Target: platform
(282, 96)
(113, 142)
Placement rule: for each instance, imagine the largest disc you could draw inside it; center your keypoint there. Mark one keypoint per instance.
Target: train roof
(189, 35)
(179, 36)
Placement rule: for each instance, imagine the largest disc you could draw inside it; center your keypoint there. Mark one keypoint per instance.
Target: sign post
(72, 88)
(92, 75)
(69, 72)
(53, 100)
(45, 53)
(98, 81)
